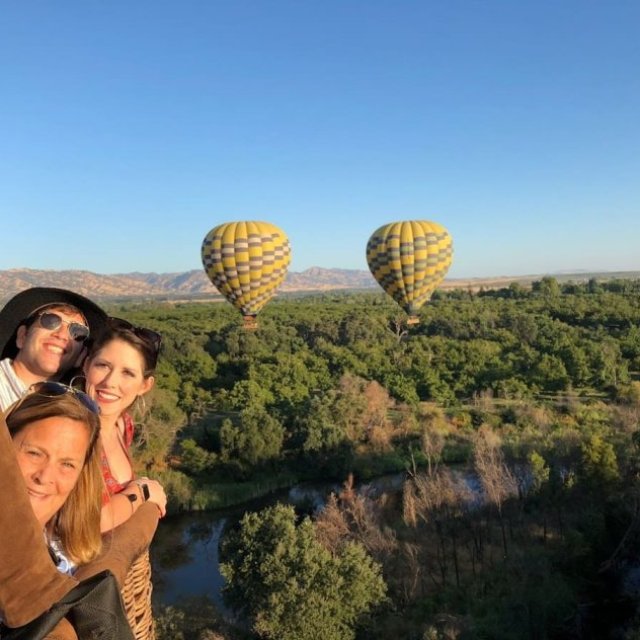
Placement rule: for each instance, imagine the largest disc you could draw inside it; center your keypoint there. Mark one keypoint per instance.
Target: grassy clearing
(219, 495)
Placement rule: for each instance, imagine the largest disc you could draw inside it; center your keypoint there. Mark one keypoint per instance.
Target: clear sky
(130, 128)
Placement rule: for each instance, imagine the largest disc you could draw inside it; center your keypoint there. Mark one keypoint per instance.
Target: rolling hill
(194, 284)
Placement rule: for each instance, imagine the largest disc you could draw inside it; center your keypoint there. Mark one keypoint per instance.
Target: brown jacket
(29, 581)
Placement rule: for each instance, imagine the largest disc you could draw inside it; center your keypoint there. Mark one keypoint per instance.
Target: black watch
(145, 491)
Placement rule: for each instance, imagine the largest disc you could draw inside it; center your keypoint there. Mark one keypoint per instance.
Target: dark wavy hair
(145, 341)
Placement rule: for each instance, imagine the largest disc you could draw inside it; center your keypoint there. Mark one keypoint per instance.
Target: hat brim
(22, 305)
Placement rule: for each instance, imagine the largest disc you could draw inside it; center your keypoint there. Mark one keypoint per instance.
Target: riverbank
(199, 494)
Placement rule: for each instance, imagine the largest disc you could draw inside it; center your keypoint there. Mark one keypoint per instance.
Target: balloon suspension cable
(249, 323)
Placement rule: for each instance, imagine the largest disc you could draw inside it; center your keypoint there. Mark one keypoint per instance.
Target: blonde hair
(77, 522)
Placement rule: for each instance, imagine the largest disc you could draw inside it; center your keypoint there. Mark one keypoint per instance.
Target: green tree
(246, 393)
(317, 427)
(194, 459)
(548, 287)
(156, 431)
(593, 286)
(611, 368)
(599, 461)
(517, 291)
(291, 586)
(550, 373)
(402, 388)
(256, 439)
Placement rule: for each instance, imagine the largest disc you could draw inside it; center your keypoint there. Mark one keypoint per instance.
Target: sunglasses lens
(52, 321)
(151, 336)
(78, 331)
(88, 402)
(59, 389)
(49, 388)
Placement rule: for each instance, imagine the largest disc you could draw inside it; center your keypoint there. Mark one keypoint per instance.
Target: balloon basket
(249, 323)
(413, 320)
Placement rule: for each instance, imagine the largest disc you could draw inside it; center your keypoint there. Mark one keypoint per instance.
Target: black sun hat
(22, 305)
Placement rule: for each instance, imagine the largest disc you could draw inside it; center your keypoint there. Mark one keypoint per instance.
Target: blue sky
(129, 129)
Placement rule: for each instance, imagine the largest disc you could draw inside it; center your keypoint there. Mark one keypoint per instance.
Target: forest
(513, 414)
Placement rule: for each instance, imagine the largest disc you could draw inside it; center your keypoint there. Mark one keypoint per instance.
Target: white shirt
(11, 387)
(63, 564)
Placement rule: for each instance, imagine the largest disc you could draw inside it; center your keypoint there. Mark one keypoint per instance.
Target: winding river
(184, 552)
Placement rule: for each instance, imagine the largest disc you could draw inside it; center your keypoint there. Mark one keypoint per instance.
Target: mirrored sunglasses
(52, 389)
(52, 321)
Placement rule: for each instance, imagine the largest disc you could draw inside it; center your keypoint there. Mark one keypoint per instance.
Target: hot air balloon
(246, 262)
(409, 259)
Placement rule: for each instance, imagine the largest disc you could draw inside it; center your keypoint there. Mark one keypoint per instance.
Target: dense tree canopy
(291, 586)
(537, 390)
(295, 388)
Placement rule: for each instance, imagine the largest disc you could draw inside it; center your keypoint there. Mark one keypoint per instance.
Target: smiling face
(45, 353)
(115, 377)
(51, 453)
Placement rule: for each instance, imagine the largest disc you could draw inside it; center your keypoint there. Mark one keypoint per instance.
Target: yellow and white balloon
(246, 261)
(409, 259)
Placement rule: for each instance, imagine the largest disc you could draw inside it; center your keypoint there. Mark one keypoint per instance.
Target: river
(184, 553)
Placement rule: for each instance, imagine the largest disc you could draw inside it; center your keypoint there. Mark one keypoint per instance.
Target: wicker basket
(136, 595)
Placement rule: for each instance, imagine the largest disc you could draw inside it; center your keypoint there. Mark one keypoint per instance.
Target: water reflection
(185, 561)
(184, 553)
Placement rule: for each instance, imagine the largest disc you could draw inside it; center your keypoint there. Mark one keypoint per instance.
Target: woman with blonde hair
(50, 510)
(55, 431)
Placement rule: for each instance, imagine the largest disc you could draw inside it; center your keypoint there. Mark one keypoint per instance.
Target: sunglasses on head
(52, 389)
(51, 321)
(149, 336)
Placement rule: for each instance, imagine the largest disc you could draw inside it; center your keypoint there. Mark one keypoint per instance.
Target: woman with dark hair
(119, 371)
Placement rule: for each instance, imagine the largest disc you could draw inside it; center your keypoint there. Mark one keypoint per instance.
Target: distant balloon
(246, 262)
(409, 259)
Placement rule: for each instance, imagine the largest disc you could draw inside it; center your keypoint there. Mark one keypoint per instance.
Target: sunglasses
(51, 389)
(152, 338)
(52, 321)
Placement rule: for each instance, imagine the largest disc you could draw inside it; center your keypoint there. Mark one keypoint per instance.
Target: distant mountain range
(194, 285)
(189, 284)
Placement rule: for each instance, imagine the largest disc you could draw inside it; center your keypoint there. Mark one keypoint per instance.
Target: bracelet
(131, 497)
(144, 490)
